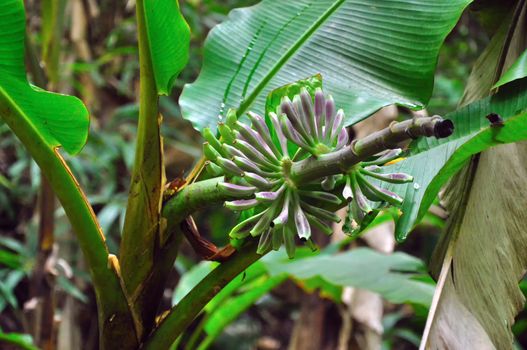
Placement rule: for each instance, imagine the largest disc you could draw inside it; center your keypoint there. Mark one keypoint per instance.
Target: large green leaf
(517, 71)
(370, 54)
(392, 276)
(396, 277)
(169, 40)
(433, 162)
(12, 29)
(58, 120)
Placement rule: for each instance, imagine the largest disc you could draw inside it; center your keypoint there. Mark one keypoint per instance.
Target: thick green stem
(142, 227)
(195, 196)
(191, 305)
(342, 160)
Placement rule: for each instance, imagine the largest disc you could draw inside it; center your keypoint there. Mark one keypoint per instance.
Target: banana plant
(277, 147)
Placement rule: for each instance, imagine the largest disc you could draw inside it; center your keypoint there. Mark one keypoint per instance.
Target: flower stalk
(342, 160)
(207, 192)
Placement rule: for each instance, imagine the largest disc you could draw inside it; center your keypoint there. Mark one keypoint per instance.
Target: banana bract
(256, 160)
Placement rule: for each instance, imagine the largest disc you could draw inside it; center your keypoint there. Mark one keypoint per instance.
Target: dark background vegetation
(101, 67)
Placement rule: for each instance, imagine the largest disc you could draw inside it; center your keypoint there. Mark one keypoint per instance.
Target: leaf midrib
(287, 55)
(18, 109)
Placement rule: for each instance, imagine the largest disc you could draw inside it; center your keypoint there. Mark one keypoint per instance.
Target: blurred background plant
(280, 304)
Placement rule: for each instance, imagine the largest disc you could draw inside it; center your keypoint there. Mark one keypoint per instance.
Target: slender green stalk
(191, 305)
(142, 227)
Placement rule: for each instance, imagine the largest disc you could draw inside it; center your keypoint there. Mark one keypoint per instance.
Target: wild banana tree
(276, 151)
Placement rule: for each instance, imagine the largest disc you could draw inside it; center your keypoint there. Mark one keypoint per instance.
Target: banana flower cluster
(256, 160)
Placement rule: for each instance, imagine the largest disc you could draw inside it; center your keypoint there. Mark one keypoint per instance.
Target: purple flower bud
(372, 168)
(293, 117)
(241, 204)
(330, 116)
(320, 103)
(250, 152)
(321, 196)
(360, 199)
(286, 106)
(302, 225)
(267, 196)
(258, 181)
(237, 190)
(292, 134)
(304, 119)
(279, 133)
(232, 151)
(337, 126)
(249, 165)
(343, 139)
(283, 217)
(260, 126)
(396, 178)
(389, 156)
(400, 177)
(380, 194)
(307, 108)
(229, 166)
(358, 215)
(257, 142)
(395, 198)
